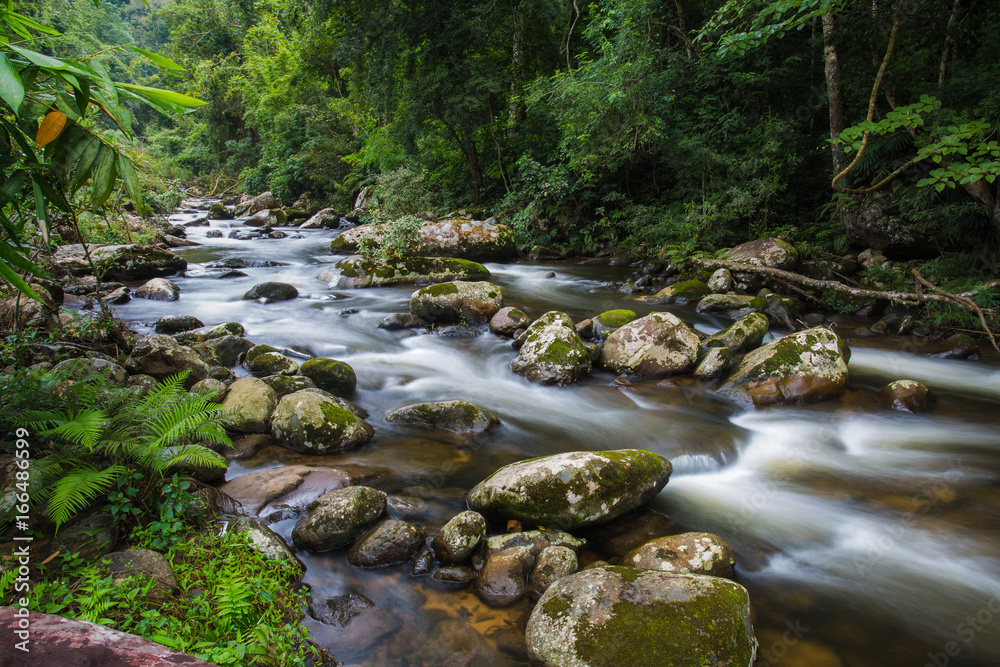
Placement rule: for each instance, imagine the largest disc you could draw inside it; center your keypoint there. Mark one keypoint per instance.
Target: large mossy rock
(336, 377)
(459, 417)
(686, 291)
(123, 262)
(335, 520)
(266, 542)
(315, 422)
(358, 271)
(457, 301)
(571, 490)
(745, 334)
(391, 541)
(613, 616)
(161, 356)
(770, 252)
(249, 205)
(459, 537)
(805, 366)
(250, 402)
(466, 239)
(687, 553)
(657, 345)
(552, 352)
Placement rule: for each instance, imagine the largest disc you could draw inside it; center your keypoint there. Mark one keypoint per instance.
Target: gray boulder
(688, 553)
(571, 490)
(459, 417)
(458, 301)
(770, 252)
(336, 519)
(391, 541)
(464, 238)
(145, 563)
(283, 385)
(459, 537)
(743, 335)
(272, 363)
(657, 345)
(161, 356)
(714, 364)
(623, 616)
(251, 402)
(313, 423)
(552, 352)
(271, 292)
(508, 320)
(552, 564)
(358, 271)
(686, 291)
(266, 542)
(122, 262)
(158, 289)
(172, 324)
(83, 367)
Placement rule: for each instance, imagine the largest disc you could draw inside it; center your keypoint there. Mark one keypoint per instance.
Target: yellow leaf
(53, 124)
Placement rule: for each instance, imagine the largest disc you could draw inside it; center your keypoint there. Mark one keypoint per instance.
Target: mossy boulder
(313, 423)
(613, 615)
(609, 321)
(453, 237)
(504, 577)
(389, 542)
(905, 396)
(571, 490)
(769, 252)
(250, 402)
(457, 301)
(716, 362)
(508, 320)
(161, 356)
(283, 385)
(273, 363)
(218, 211)
(358, 271)
(228, 349)
(805, 366)
(266, 542)
(687, 553)
(745, 334)
(120, 262)
(536, 541)
(459, 537)
(657, 345)
(158, 289)
(336, 377)
(203, 333)
(82, 367)
(459, 417)
(335, 520)
(551, 351)
(145, 564)
(172, 324)
(551, 565)
(686, 291)
(211, 389)
(271, 292)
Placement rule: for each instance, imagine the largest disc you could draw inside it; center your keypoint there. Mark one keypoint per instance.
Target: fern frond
(170, 389)
(182, 419)
(193, 455)
(74, 490)
(81, 428)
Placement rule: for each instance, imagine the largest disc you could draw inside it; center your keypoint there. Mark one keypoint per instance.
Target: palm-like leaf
(73, 491)
(82, 428)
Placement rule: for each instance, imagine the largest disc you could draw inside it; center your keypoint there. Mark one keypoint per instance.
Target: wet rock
(871, 258)
(158, 289)
(504, 578)
(467, 239)
(118, 296)
(585, 328)
(251, 402)
(358, 271)
(657, 345)
(714, 364)
(508, 320)
(625, 616)
(330, 375)
(734, 306)
(361, 633)
(70, 642)
(313, 423)
(197, 222)
(688, 553)
(455, 574)
(720, 282)
(161, 356)
(340, 609)
(423, 561)
(337, 519)
(457, 301)
(228, 349)
(687, 291)
(326, 218)
(905, 396)
(459, 417)
(83, 367)
(256, 489)
(250, 205)
(272, 363)
(90, 535)
(245, 446)
(551, 352)
(571, 490)
(459, 537)
(214, 234)
(743, 335)
(625, 534)
(889, 324)
(771, 252)
(398, 321)
(218, 211)
(271, 292)
(123, 262)
(551, 565)
(172, 324)
(143, 384)
(805, 366)
(611, 320)
(390, 542)
(456, 643)
(958, 346)
(143, 562)
(456, 331)
(283, 385)
(210, 332)
(535, 541)
(213, 390)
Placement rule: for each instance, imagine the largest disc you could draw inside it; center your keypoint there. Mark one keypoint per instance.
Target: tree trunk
(832, 67)
(949, 33)
(517, 74)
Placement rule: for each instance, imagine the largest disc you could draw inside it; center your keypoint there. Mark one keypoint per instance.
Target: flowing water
(867, 538)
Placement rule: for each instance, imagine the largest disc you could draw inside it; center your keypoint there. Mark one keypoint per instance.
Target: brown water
(866, 538)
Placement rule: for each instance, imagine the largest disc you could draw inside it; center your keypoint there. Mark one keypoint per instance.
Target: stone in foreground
(314, 422)
(805, 366)
(688, 553)
(552, 352)
(571, 490)
(612, 616)
(337, 519)
(457, 301)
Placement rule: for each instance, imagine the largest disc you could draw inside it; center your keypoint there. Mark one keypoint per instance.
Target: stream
(867, 538)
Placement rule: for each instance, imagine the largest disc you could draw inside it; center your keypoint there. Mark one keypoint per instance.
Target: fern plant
(93, 446)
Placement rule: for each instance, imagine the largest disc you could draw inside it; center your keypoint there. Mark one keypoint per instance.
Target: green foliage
(177, 509)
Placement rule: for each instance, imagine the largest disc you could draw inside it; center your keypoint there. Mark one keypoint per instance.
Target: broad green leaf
(88, 159)
(11, 188)
(33, 24)
(10, 275)
(126, 170)
(164, 96)
(104, 176)
(41, 212)
(39, 59)
(52, 194)
(160, 61)
(11, 88)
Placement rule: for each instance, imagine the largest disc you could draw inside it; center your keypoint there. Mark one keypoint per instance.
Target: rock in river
(337, 519)
(459, 537)
(459, 417)
(805, 366)
(688, 553)
(457, 301)
(358, 271)
(657, 345)
(390, 542)
(271, 292)
(552, 352)
(571, 490)
(612, 616)
(314, 422)
(251, 403)
(161, 356)
(331, 375)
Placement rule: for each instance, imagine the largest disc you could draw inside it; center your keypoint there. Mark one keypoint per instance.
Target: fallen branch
(903, 298)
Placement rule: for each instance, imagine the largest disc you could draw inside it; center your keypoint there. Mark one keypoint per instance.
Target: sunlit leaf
(160, 61)
(11, 88)
(50, 128)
